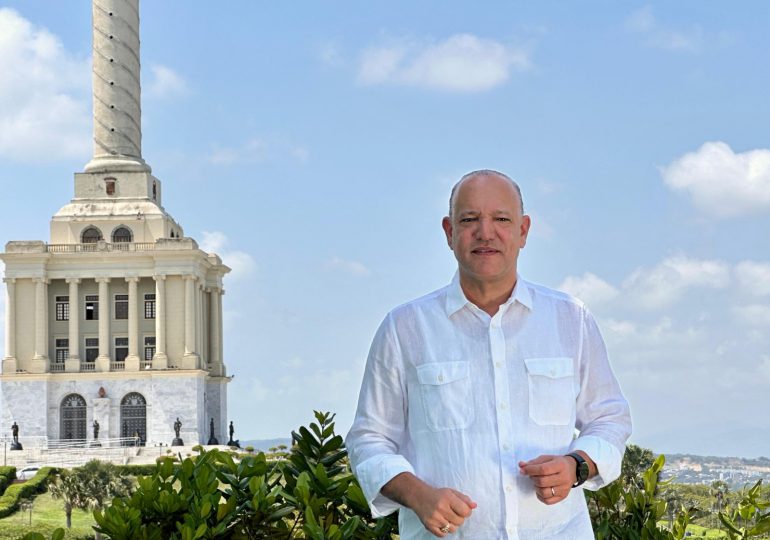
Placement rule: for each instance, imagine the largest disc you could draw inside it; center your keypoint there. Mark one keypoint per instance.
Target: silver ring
(446, 528)
(553, 493)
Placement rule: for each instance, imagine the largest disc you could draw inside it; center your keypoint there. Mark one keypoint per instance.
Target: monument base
(177, 442)
(16, 446)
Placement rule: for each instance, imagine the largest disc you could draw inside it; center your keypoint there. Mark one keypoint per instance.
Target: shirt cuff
(374, 473)
(607, 458)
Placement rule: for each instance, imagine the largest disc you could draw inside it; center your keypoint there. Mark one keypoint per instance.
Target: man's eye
(468, 219)
(503, 219)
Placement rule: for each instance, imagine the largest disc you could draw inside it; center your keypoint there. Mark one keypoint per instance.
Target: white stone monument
(118, 318)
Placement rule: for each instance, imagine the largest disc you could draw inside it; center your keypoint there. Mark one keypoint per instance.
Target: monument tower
(119, 317)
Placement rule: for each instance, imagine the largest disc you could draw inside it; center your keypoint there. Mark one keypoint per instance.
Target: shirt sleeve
(603, 416)
(377, 435)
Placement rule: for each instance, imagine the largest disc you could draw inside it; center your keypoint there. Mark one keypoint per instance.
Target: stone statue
(96, 429)
(15, 445)
(212, 439)
(232, 442)
(177, 429)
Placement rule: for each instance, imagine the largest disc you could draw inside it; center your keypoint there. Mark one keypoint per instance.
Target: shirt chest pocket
(551, 392)
(447, 397)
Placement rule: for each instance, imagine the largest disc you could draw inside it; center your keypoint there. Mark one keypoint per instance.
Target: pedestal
(102, 363)
(190, 361)
(132, 363)
(72, 365)
(160, 361)
(177, 442)
(102, 415)
(16, 446)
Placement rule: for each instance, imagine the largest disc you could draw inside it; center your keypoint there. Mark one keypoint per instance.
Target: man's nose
(485, 229)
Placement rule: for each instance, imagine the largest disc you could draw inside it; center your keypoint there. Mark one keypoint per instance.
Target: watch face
(582, 472)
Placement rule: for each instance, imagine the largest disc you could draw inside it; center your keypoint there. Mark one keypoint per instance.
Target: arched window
(91, 235)
(133, 417)
(72, 418)
(122, 234)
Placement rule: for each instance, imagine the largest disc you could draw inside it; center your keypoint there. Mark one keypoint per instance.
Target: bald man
(473, 394)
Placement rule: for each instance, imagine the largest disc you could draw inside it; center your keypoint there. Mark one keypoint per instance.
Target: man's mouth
(484, 251)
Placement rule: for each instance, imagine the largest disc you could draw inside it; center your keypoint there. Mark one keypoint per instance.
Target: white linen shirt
(458, 398)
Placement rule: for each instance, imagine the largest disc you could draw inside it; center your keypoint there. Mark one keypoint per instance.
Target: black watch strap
(581, 469)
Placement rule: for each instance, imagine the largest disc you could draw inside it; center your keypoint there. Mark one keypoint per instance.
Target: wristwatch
(581, 468)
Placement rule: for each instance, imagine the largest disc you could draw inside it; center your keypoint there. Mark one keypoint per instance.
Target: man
(472, 394)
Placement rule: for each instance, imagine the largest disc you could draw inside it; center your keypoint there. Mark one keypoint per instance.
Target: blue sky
(313, 146)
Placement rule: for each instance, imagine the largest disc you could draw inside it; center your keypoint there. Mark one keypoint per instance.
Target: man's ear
(446, 224)
(526, 223)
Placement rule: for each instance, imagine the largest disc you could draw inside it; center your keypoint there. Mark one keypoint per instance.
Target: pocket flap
(442, 372)
(553, 368)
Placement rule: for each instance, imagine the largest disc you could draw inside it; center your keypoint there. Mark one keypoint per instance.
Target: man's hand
(441, 510)
(553, 476)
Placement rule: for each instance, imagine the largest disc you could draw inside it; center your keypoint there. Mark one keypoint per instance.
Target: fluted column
(160, 360)
(41, 322)
(132, 360)
(10, 319)
(190, 359)
(103, 360)
(116, 87)
(39, 361)
(217, 367)
(200, 329)
(72, 364)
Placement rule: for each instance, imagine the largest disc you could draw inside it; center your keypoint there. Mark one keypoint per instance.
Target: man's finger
(467, 500)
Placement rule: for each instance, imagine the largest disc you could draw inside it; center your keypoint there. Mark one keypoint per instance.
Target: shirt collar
(456, 300)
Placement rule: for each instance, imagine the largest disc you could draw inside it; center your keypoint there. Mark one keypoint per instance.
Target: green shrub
(7, 475)
(9, 501)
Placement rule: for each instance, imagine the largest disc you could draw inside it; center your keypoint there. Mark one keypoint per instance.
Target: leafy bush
(751, 513)
(9, 501)
(7, 475)
(311, 495)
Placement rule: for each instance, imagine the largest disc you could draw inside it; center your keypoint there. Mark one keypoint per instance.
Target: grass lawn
(703, 532)
(47, 515)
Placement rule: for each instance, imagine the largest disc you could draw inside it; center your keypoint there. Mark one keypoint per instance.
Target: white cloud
(242, 263)
(753, 277)
(461, 63)
(753, 315)
(665, 283)
(590, 288)
(45, 110)
(656, 35)
(354, 268)
(722, 183)
(165, 83)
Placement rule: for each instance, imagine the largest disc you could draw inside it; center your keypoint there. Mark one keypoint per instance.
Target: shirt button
(506, 447)
(508, 489)
(502, 406)
(440, 378)
(498, 364)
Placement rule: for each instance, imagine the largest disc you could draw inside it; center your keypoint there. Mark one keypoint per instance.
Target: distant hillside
(265, 444)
